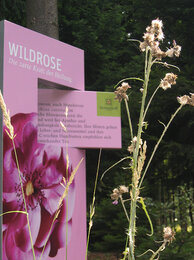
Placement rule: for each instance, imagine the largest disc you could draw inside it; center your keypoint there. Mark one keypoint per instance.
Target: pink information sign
(92, 118)
(42, 81)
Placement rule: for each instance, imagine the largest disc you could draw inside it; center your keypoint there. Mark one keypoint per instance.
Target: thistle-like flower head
(152, 38)
(168, 80)
(186, 100)
(121, 91)
(168, 234)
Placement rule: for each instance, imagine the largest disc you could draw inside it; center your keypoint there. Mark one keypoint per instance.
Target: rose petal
(29, 141)
(10, 174)
(58, 237)
(51, 200)
(36, 163)
(45, 226)
(38, 251)
(19, 121)
(12, 252)
(10, 205)
(22, 238)
(50, 175)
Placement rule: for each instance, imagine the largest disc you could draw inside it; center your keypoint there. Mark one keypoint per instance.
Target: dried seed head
(143, 46)
(121, 91)
(183, 100)
(6, 118)
(168, 80)
(141, 159)
(156, 29)
(117, 193)
(168, 234)
(170, 53)
(63, 126)
(157, 25)
(191, 99)
(148, 37)
(158, 53)
(164, 84)
(66, 111)
(174, 51)
(152, 38)
(177, 49)
(171, 78)
(123, 189)
(130, 148)
(133, 144)
(186, 100)
(125, 86)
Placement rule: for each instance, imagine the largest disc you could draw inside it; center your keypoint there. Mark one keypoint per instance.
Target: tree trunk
(42, 17)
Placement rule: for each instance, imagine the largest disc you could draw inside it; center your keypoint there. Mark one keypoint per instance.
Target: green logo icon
(107, 105)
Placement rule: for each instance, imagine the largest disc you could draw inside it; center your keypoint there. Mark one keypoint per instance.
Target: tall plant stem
(151, 98)
(124, 208)
(148, 64)
(92, 206)
(156, 146)
(13, 211)
(24, 200)
(134, 190)
(125, 79)
(129, 119)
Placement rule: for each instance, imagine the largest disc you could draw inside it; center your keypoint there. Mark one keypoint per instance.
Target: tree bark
(42, 17)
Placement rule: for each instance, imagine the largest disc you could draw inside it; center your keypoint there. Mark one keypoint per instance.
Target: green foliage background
(102, 29)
